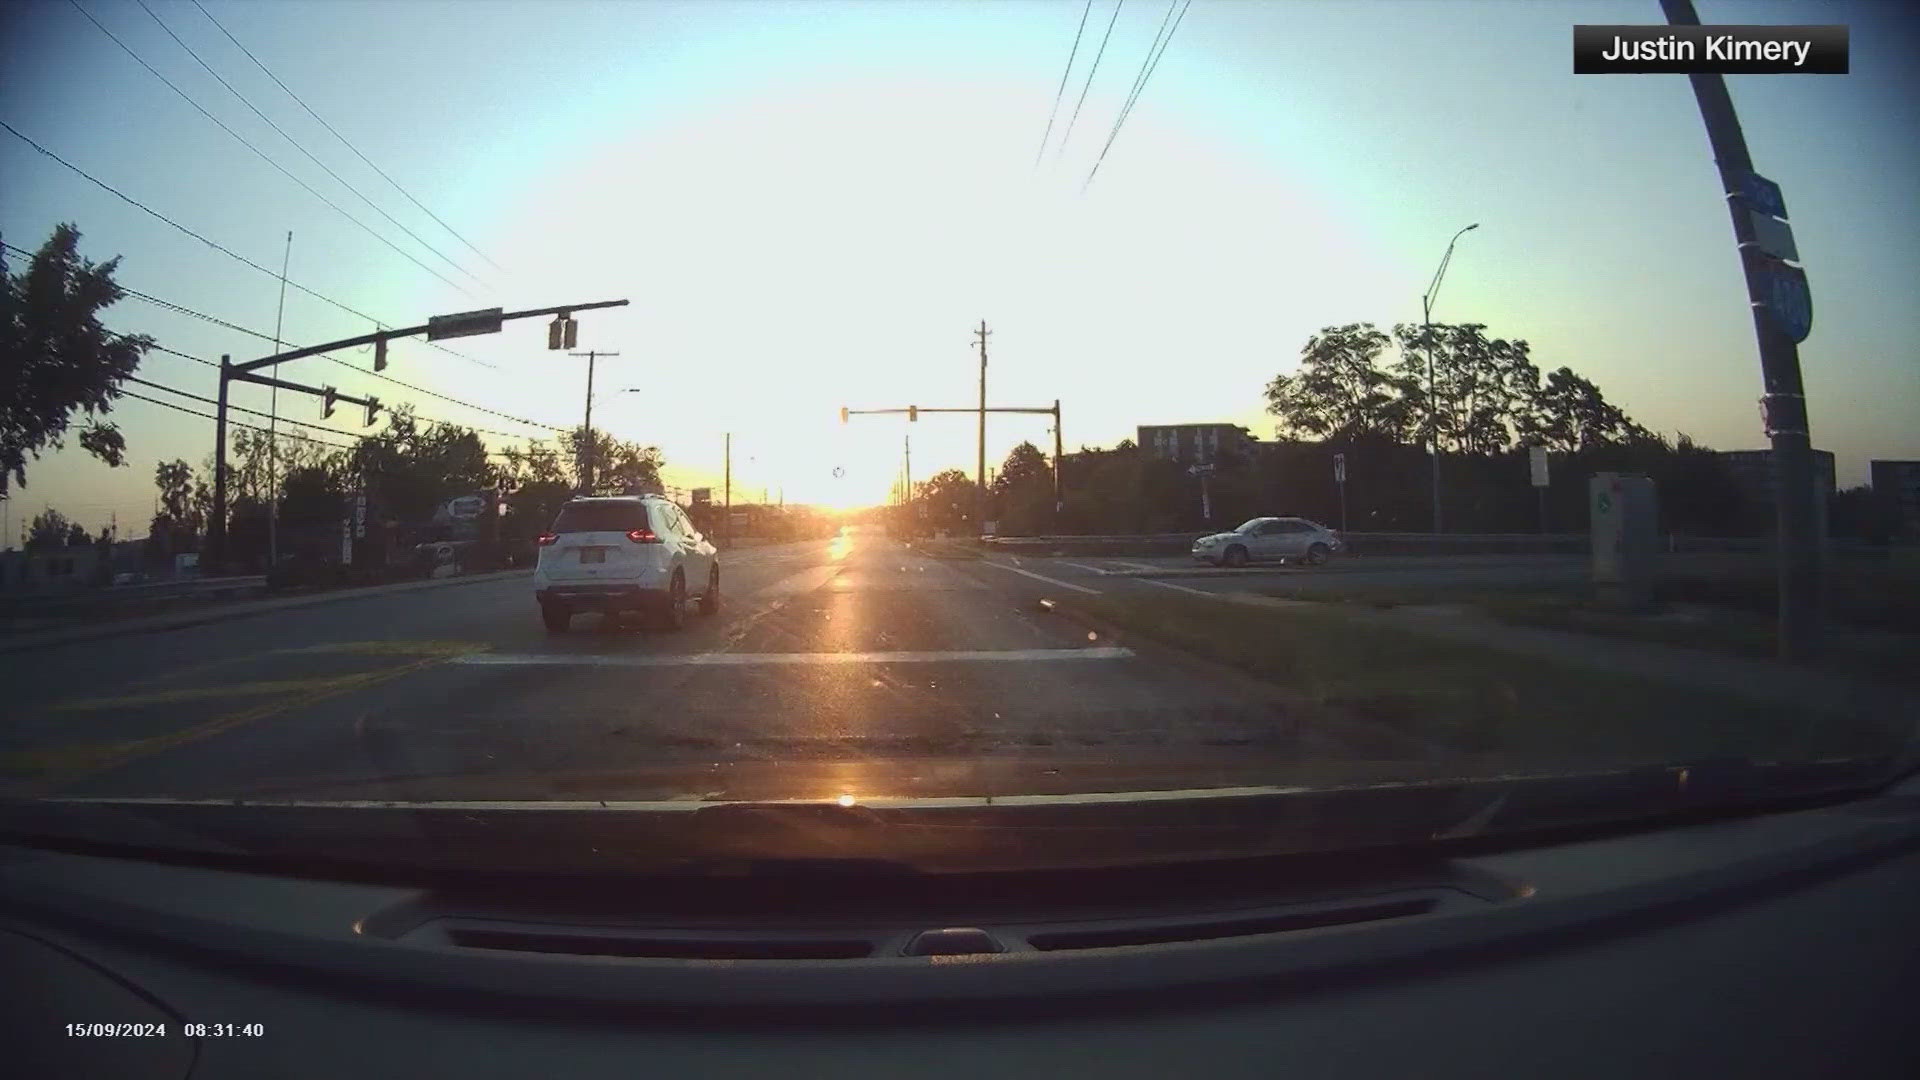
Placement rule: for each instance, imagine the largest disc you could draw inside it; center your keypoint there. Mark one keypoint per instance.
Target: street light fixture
(1433, 397)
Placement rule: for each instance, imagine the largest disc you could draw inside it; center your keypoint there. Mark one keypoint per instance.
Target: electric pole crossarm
(412, 331)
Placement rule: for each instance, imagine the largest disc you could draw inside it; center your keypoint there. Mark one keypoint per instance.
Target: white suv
(624, 553)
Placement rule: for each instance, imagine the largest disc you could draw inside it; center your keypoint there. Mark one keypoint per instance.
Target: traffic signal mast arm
(412, 331)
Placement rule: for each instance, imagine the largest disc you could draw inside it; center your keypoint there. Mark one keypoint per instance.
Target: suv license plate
(593, 554)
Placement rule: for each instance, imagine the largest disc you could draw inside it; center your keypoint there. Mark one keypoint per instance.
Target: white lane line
(1135, 565)
(1181, 588)
(1104, 652)
(1084, 566)
(1043, 577)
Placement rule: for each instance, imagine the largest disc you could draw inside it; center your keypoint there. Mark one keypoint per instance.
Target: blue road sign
(1789, 301)
(1763, 195)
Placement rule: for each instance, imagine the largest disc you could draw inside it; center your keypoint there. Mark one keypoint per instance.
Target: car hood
(1221, 536)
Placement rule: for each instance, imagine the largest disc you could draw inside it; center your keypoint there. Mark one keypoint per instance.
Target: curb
(239, 610)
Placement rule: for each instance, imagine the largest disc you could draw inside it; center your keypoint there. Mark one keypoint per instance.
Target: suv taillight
(546, 539)
(643, 536)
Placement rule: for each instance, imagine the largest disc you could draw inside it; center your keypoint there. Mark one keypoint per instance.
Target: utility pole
(217, 528)
(1058, 503)
(980, 463)
(909, 479)
(1433, 396)
(586, 456)
(727, 491)
(1785, 400)
(273, 421)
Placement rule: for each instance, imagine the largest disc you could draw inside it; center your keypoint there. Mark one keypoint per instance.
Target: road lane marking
(1043, 577)
(1181, 588)
(1134, 565)
(1084, 566)
(179, 694)
(88, 760)
(721, 659)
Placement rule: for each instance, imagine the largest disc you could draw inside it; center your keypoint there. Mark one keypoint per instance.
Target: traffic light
(843, 414)
(913, 412)
(373, 406)
(380, 355)
(326, 410)
(563, 332)
(573, 332)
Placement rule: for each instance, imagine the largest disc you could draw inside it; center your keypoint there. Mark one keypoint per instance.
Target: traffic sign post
(1340, 478)
(1781, 314)
(1537, 464)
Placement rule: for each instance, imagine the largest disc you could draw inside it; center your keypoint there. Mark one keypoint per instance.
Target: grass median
(1475, 700)
(1873, 614)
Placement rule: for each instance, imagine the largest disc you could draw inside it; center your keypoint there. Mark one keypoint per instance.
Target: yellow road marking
(201, 693)
(84, 761)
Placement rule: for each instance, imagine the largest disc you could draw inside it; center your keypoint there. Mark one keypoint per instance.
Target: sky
(815, 205)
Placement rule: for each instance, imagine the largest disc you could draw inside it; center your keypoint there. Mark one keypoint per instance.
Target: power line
(1139, 84)
(1091, 71)
(263, 157)
(296, 145)
(254, 427)
(348, 145)
(169, 305)
(136, 204)
(1061, 92)
(233, 423)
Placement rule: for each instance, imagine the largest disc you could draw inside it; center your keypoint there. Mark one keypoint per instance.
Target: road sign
(466, 507)
(346, 544)
(1788, 300)
(1762, 195)
(1339, 468)
(1537, 460)
(360, 516)
(702, 496)
(1774, 237)
(464, 324)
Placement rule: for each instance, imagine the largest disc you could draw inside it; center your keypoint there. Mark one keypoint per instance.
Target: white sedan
(1270, 539)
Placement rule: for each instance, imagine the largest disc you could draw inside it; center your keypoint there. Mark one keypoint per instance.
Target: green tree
(411, 467)
(50, 529)
(1485, 387)
(1340, 390)
(1570, 413)
(55, 357)
(948, 498)
(536, 483)
(618, 466)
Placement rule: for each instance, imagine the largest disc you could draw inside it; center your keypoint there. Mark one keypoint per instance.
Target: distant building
(1193, 444)
(1899, 483)
(1753, 474)
(56, 570)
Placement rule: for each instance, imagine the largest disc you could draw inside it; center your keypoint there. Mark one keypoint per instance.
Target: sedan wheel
(1235, 556)
(1317, 555)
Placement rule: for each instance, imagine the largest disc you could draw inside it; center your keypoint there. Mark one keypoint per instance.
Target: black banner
(1724, 50)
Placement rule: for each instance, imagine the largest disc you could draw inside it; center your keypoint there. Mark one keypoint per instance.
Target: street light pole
(1433, 397)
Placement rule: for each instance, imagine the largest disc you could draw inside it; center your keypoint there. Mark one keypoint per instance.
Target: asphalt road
(842, 665)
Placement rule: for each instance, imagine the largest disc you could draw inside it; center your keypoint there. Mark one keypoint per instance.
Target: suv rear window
(601, 517)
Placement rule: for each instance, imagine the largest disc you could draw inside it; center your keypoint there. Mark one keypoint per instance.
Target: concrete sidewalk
(239, 609)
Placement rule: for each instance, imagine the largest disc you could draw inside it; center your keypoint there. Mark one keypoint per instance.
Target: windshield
(601, 517)
(947, 340)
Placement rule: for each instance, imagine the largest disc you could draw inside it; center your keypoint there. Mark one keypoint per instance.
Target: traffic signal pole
(1785, 400)
(980, 466)
(446, 326)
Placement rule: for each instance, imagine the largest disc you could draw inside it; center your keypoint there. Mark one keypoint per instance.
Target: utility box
(1624, 516)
